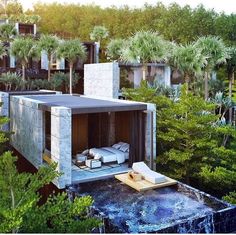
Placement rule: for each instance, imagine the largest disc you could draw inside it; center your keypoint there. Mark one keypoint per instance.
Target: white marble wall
(102, 80)
(26, 122)
(61, 143)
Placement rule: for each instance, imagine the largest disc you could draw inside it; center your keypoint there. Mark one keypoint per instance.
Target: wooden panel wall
(79, 133)
(98, 130)
(122, 126)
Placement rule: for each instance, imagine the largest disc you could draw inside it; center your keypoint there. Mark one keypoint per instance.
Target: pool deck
(81, 176)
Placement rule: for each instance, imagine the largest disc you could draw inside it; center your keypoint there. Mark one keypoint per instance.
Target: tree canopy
(181, 24)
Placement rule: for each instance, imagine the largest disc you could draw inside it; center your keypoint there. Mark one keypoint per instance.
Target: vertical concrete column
(137, 76)
(44, 60)
(167, 74)
(150, 135)
(35, 29)
(61, 63)
(17, 27)
(4, 109)
(61, 119)
(102, 80)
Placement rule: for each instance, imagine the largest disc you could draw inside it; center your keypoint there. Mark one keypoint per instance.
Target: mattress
(118, 152)
(108, 154)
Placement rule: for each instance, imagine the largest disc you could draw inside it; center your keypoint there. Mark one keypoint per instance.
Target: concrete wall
(102, 80)
(27, 125)
(61, 143)
(4, 109)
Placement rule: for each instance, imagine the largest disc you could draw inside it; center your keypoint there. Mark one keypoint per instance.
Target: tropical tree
(2, 51)
(24, 49)
(215, 52)
(189, 60)
(71, 50)
(7, 32)
(145, 47)
(49, 44)
(114, 49)
(99, 32)
(231, 66)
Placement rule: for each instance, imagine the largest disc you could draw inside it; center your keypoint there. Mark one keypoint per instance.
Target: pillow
(124, 148)
(116, 146)
(85, 152)
(91, 152)
(97, 156)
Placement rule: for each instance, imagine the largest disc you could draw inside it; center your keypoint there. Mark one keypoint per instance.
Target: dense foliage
(194, 144)
(181, 24)
(19, 208)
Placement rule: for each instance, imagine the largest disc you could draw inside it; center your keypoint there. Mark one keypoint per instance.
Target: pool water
(139, 212)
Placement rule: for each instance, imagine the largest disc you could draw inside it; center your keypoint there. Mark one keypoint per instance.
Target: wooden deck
(143, 185)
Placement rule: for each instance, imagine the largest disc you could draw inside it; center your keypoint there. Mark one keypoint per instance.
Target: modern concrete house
(39, 67)
(90, 136)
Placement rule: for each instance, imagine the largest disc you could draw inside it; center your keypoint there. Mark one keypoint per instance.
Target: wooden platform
(143, 185)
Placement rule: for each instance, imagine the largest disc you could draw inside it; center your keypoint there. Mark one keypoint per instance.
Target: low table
(143, 185)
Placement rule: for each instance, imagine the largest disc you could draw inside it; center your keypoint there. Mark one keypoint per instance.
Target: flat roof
(80, 105)
(30, 92)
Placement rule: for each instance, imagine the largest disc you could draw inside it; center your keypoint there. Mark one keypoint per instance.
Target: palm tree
(114, 49)
(188, 60)
(7, 32)
(231, 66)
(3, 51)
(215, 51)
(71, 50)
(145, 47)
(49, 44)
(99, 32)
(24, 49)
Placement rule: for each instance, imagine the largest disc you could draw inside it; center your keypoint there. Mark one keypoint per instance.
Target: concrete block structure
(62, 127)
(102, 80)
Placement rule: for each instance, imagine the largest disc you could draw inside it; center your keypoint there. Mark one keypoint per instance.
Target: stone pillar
(44, 60)
(17, 27)
(61, 153)
(61, 63)
(12, 61)
(150, 135)
(137, 76)
(167, 74)
(102, 80)
(4, 109)
(35, 29)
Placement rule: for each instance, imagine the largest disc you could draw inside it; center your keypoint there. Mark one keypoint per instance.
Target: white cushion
(124, 148)
(148, 174)
(97, 156)
(85, 152)
(116, 146)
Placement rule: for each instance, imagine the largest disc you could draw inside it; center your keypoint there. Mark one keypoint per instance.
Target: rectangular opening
(48, 131)
(96, 130)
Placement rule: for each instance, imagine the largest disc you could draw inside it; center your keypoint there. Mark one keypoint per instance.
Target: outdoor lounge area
(89, 138)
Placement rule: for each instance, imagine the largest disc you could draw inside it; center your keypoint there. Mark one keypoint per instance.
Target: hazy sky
(228, 6)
